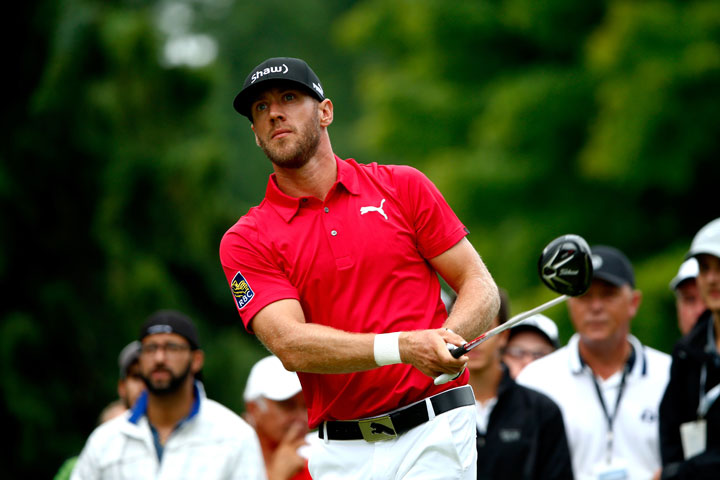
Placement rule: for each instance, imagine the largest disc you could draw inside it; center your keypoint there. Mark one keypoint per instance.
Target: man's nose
(276, 111)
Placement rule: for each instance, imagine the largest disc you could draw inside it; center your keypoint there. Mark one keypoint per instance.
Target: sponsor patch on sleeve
(241, 290)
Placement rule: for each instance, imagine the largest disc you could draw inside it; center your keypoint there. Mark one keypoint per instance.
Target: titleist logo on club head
(268, 70)
(568, 271)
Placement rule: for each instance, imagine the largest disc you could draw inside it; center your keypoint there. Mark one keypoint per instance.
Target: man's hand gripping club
(427, 350)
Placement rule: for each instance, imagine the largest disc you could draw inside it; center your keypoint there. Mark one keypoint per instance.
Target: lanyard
(611, 418)
(707, 398)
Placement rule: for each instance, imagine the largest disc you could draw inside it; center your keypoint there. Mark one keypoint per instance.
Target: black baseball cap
(285, 69)
(171, 321)
(611, 265)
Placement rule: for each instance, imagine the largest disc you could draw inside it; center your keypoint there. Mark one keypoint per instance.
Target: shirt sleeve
(255, 280)
(436, 225)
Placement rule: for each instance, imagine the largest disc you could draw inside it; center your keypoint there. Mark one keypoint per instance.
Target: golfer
(336, 272)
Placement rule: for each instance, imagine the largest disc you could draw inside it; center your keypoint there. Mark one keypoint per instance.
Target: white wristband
(386, 348)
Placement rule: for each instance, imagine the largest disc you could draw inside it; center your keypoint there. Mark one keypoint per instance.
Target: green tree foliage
(543, 118)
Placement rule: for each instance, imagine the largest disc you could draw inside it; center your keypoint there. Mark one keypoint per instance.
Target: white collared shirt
(564, 378)
(483, 411)
(215, 443)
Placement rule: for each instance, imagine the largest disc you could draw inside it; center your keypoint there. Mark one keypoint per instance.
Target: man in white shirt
(607, 384)
(173, 431)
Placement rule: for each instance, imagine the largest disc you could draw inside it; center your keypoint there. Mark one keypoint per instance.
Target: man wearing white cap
(688, 302)
(690, 412)
(276, 409)
(529, 340)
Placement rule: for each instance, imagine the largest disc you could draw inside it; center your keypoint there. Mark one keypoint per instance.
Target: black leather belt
(385, 427)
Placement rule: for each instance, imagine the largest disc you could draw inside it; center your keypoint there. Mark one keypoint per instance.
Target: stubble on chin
(293, 155)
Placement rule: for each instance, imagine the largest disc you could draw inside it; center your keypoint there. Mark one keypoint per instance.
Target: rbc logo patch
(241, 290)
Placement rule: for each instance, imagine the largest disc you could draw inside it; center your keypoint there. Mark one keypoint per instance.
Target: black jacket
(525, 437)
(680, 403)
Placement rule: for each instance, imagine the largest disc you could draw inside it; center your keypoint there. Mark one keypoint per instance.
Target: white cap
(269, 379)
(689, 269)
(542, 323)
(707, 240)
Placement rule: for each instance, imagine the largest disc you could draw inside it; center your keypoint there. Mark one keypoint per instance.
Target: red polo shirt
(356, 262)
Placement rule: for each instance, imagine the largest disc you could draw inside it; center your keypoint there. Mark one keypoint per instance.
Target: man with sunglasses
(173, 430)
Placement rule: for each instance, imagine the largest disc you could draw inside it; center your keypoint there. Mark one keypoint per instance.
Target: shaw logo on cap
(319, 89)
(241, 291)
(267, 71)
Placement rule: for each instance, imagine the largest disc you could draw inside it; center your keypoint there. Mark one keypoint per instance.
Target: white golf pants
(441, 448)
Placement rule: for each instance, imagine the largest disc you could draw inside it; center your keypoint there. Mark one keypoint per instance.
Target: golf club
(565, 266)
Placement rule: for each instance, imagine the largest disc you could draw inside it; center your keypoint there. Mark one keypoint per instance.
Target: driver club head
(565, 265)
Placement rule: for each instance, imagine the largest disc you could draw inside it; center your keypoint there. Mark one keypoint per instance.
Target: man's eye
(260, 107)
(289, 96)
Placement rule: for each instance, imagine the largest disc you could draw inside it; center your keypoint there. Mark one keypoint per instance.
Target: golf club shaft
(457, 352)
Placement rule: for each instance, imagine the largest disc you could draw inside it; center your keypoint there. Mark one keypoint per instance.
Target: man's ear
(325, 110)
(257, 141)
(121, 389)
(198, 360)
(635, 302)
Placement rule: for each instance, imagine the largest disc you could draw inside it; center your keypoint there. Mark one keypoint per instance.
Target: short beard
(176, 381)
(305, 149)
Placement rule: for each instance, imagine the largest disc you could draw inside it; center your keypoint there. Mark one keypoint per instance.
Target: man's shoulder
(656, 356)
(246, 229)
(658, 364)
(218, 418)
(111, 431)
(388, 172)
(537, 399)
(249, 220)
(693, 343)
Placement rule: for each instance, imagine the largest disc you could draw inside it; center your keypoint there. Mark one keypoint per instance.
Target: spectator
(275, 408)
(130, 382)
(529, 340)
(173, 430)
(607, 384)
(520, 432)
(690, 412)
(688, 302)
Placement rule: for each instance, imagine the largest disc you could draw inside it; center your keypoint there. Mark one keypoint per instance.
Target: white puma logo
(364, 210)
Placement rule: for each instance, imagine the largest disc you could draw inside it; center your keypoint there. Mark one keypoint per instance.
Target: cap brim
(244, 99)
(610, 278)
(704, 250)
(677, 281)
(532, 328)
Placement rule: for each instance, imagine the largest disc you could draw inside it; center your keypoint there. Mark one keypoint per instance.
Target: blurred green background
(123, 162)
